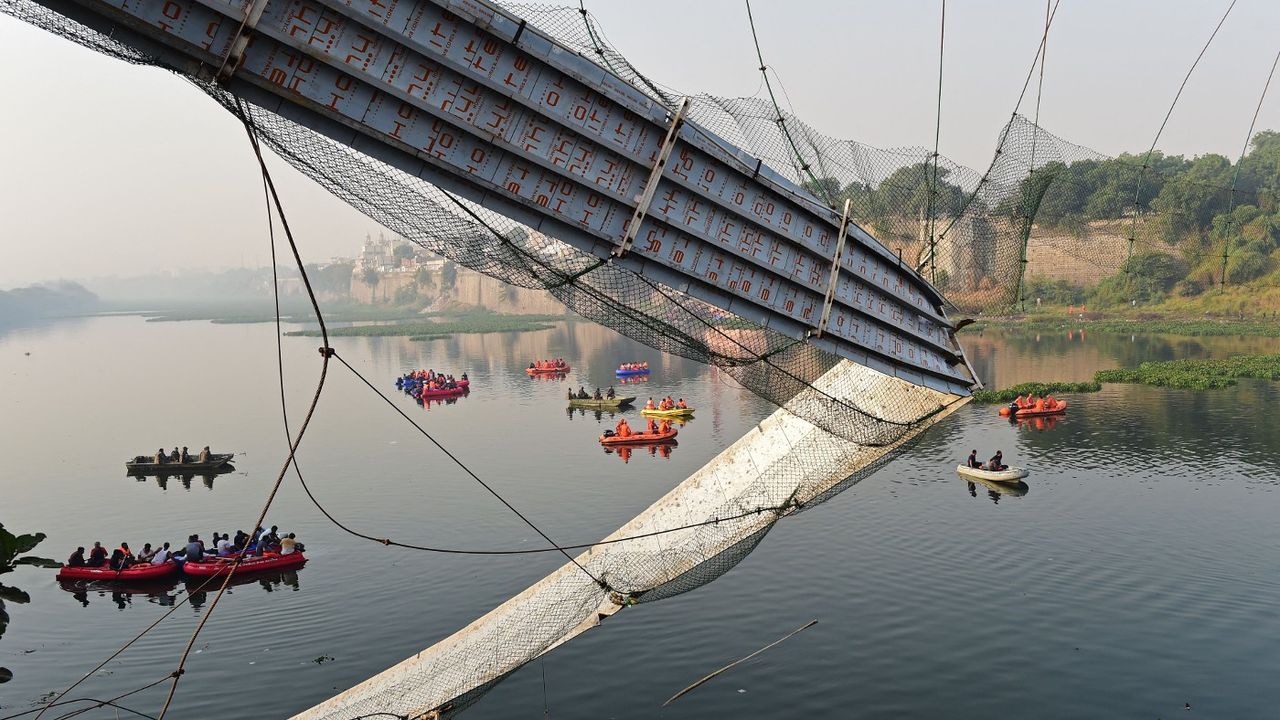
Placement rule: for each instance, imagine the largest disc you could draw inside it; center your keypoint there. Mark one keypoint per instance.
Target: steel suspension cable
(937, 137)
(1146, 160)
(1248, 138)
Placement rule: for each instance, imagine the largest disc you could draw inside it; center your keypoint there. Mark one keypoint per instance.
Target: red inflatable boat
(270, 561)
(144, 571)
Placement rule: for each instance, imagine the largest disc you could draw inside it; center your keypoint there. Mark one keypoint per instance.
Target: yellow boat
(672, 413)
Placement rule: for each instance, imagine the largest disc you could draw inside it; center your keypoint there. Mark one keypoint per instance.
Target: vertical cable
(931, 221)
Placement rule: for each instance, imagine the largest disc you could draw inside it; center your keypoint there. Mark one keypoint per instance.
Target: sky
(111, 169)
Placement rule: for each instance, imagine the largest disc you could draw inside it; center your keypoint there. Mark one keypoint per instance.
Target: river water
(1137, 573)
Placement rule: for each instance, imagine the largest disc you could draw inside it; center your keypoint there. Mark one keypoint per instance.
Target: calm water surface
(1138, 573)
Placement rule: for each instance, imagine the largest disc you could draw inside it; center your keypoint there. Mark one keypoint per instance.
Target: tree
(371, 277)
(402, 251)
(448, 275)
(11, 546)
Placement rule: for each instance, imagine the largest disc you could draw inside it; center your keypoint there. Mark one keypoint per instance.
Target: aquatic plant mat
(1197, 374)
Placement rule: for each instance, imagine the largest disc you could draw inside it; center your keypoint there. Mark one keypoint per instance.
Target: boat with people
(1031, 406)
(255, 563)
(630, 369)
(601, 403)
(547, 367)
(171, 464)
(424, 384)
(133, 573)
(427, 393)
(639, 438)
(1008, 475)
(670, 413)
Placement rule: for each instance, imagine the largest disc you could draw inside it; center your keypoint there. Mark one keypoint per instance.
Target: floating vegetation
(464, 324)
(1034, 388)
(1197, 374)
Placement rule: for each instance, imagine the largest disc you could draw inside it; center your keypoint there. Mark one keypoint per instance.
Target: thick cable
(782, 124)
(1146, 160)
(1231, 205)
(937, 138)
(326, 352)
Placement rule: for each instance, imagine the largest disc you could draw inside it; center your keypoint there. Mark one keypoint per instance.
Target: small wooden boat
(642, 438)
(603, 404)
(146, 465)
(143, 571)
(1013, 474)
(672, 413)
(269, 561)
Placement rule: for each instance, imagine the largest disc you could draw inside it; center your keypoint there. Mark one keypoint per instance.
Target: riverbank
(1180, 374)
(448, 324)
(1136, 323)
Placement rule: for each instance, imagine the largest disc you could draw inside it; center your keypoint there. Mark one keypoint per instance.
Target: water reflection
(122, 595)
(660, 450)
(201, 591)
(162, 479)
(997, 489)
(1039, 424)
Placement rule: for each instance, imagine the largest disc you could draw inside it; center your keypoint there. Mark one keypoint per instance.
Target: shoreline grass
(1189, 327)
(1180, 374)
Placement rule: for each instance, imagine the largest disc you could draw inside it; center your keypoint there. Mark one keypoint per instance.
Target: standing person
(97, 556)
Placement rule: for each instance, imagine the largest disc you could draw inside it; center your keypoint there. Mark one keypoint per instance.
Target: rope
(1146, 160)
(1226, 246)
(782, 124)
(1028, 216)
(937, 137)
(56, 702)
(326, 352)
(187, 597)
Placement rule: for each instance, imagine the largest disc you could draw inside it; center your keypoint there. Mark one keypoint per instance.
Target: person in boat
(611, 394)
(161, 458)
(270, 540)
(598, 396)
(623, 429)
(224, 547)
(162, 556)
(649, 405)
(194, 551)
(121, 557)
(175, 456)
(973, 460)
(77, 558)
(533, 366)
(288, 544)
(184, 457)
(146, 553)
(664, 427)
(572, 396)
(653, 426)
(681, 404)
(97, 556)
(242, 539)
(996, 463)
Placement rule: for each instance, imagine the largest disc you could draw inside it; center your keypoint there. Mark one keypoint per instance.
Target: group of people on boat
(1047, 403)
(634, 366)
(623, 428)
(995, 464)
(666, 403)
(419, 381)
(195, 550)
(557, 365)
(180, 456)
(582, 394)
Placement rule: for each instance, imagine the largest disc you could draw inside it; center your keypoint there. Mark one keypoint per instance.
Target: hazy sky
(107, 168)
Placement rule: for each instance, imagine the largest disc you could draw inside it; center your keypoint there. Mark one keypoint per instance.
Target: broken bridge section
(470, 98)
